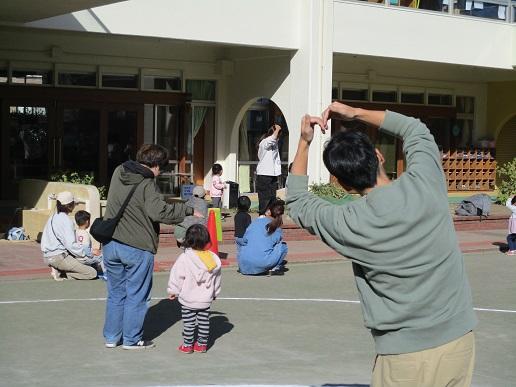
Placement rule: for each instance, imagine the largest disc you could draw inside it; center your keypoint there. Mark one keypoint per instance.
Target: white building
(84, 83)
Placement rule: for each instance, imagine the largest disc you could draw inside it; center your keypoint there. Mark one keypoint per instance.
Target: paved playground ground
(304, 328)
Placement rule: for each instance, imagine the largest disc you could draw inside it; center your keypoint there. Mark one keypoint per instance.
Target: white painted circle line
(231, 299)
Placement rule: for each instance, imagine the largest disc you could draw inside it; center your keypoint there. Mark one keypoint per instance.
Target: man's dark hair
(197, 237)
(243, 203)
(82, 217)
(351, 158)
(216, 168)
(513, 200)
(152, 155)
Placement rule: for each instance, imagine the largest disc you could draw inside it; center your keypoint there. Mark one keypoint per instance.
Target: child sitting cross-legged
(195, 282)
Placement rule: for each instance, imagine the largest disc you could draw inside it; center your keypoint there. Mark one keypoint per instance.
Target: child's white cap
(65, 197)
(198, 191)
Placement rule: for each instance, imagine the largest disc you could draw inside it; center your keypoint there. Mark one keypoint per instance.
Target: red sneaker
(200, 347)
(185, 348)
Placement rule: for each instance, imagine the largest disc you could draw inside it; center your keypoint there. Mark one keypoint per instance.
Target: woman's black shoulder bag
(103, 229)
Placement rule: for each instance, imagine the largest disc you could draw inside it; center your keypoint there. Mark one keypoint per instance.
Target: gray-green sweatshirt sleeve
(419, 147)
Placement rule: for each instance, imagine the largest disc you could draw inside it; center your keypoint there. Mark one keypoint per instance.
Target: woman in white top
(59, 245)
(269, 167)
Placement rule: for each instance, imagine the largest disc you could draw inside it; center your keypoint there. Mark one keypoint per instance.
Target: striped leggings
(193, 318)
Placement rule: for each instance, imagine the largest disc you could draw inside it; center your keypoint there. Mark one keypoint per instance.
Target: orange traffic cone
(212, 230)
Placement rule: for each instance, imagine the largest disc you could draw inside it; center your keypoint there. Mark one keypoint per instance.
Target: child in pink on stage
(217, 186)
(195, 282)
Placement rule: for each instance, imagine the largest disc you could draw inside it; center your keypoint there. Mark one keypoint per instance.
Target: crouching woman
(59, 246)
(262, 249)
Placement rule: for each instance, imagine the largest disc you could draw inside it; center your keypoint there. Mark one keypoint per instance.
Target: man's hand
(308, 127)
(344, 112)
(171, 297)
(338, 110)
(95, 252)
(300, 163)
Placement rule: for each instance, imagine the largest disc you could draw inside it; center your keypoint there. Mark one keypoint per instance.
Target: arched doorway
(261, 115)
(505, 149)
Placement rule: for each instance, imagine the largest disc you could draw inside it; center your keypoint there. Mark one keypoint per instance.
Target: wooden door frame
(51, 97)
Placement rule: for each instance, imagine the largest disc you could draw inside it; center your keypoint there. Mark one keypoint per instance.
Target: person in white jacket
(195, 282)
(59, 245)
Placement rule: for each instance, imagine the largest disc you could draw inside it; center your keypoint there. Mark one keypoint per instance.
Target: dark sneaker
(111, 345)
(185, 348)
(200, 347)
(142, 344)
(276, 272)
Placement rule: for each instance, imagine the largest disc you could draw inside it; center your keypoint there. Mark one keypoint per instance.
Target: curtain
(200, 90)
(243, 141)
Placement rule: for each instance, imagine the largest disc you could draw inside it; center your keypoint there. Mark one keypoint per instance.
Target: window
(335, 92)
(77, 79)
(385, 95)
(32, 77)
(413, 97)
(201, 90)
(3, 75)
(355, 94)
(158, 82)
(440, 99)
(123, 81)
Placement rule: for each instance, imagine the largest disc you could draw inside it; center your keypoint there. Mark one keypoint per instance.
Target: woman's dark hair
(268, 133)
(351, 158)
(243, 203)
(152, 155)
(277, 209)
(82, 217)
(216, 169)
(66, 208)
(197, 237)
(513, 201)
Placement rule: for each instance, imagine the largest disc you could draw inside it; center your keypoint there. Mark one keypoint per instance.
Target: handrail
(450, 7)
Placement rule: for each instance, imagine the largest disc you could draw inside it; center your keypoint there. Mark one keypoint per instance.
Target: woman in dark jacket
(129, 256)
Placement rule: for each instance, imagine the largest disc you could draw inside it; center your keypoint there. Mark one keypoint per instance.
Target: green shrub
(328, 190)
(507, 174)
(78, 178)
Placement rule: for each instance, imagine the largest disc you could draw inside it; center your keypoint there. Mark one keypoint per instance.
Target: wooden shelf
(469, 170)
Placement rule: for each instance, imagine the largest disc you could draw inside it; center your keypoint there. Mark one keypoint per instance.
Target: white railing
(501, 10)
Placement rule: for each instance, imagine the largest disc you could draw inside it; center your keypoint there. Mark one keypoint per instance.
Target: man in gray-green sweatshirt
(408, 268)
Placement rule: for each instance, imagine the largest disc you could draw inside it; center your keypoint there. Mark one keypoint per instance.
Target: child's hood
(199, 270)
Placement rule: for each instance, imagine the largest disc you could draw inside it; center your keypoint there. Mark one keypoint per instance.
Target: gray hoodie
(139, 225)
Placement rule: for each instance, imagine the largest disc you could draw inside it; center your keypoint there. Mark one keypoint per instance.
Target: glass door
(179, 144)
(78, 140)
(27, 148)
(122, 133)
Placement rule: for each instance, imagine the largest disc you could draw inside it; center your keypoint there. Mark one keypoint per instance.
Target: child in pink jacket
(217, 186)
(195, 281)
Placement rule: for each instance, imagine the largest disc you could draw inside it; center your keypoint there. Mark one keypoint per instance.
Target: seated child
(199, 205)
(242, 217)
(82, 235)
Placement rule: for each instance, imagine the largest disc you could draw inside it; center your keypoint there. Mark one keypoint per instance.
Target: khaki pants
(448, 365)
(72, 267)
